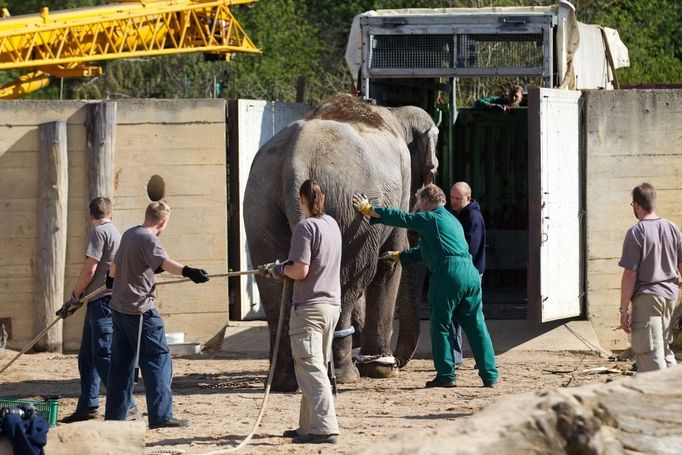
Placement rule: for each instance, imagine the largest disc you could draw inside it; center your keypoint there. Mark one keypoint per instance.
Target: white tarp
(581, 51)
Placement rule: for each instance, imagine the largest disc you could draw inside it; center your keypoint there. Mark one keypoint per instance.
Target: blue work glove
(196, 275)
(273, 270)
(70, 307)
(361, 203)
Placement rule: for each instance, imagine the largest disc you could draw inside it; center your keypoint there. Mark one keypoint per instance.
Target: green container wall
(490, 152)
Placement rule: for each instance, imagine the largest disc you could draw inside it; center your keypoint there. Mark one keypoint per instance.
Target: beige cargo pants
(311, 329)
(652, 332)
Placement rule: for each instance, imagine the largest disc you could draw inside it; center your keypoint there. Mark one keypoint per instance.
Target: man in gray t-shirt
(651, 259)
(95, 351)
(140, 255)
(139, 331)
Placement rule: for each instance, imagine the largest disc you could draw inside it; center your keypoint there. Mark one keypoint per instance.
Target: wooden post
(52, 216)
(101, 135)
(300, 89)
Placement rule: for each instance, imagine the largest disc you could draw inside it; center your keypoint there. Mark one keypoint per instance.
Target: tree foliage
(308, 39)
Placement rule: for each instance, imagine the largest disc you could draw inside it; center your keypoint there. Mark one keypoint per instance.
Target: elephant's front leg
(380, 299)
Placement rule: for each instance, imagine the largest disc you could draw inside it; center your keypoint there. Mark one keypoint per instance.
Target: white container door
(555, 207)
(252, 124)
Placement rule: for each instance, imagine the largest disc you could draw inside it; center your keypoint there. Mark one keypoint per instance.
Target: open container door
(251, 124)
(555, 208)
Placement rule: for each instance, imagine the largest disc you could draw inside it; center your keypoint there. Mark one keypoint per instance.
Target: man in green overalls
(455, 285)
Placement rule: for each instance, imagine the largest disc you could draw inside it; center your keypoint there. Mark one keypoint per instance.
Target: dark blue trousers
(155, 366)
(456, 340)
(94, 355)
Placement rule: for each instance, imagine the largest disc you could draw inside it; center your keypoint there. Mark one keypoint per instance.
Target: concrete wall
(183, 141)
(632, 137)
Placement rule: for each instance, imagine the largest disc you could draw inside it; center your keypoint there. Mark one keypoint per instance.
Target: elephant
(348, 145)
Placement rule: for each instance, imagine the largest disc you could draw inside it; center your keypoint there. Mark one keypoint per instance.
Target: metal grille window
(499, 51)
(472, 51)
(411, 51)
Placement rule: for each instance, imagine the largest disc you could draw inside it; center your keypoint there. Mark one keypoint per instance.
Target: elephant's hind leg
(345, 369)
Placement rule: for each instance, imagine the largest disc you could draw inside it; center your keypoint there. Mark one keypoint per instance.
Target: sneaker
(291, 434)
(134, 414)
(490, 385)
(315, 439)
(440, 383)
(80, 416)
(170, 423)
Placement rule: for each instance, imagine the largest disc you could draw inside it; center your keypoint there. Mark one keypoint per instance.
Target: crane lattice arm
(64, 43)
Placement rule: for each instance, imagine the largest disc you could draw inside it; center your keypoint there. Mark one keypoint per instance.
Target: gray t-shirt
(138, 256)
(102, 246)
(316, 241)
(653, 249)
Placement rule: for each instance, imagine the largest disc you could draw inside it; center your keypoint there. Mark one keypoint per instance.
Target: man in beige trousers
(651, 259)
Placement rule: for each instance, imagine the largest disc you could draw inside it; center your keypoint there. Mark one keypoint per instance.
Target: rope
(280, 324)
(587, 343)
(217, 275)
(283, 301)
(42, 333)
(101, 289)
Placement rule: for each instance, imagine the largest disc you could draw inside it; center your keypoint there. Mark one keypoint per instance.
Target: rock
(634, 415)
(92, 437)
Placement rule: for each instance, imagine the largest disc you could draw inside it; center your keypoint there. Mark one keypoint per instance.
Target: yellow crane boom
(64, 43)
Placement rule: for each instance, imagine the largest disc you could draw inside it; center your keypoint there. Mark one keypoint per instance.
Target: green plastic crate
(47, 409)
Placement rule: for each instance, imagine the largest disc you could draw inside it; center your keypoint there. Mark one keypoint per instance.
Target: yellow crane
(65, 43)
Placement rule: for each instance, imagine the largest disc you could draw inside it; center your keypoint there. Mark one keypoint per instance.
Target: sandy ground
(221, 393)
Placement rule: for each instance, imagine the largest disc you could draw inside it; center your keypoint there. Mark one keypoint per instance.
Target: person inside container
(512, 98)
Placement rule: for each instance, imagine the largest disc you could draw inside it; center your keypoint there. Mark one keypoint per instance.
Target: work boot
(315, 439)
(79, 416)
(134, 414)
(170, 423)
(439, 382)
(291, 434)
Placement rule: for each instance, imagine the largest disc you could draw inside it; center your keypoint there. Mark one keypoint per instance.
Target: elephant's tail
(291, 197)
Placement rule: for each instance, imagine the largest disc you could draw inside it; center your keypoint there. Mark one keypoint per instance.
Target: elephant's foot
(284, 384)
(377, 370)
(346, 373)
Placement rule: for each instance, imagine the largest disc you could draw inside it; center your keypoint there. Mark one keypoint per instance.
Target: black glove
(196, 275)
(109, 281)
(69, 307)
(159, 269)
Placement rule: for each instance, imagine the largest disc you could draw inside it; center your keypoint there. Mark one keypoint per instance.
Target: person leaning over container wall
(651, 259)
(512, 98)
(455, 285)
